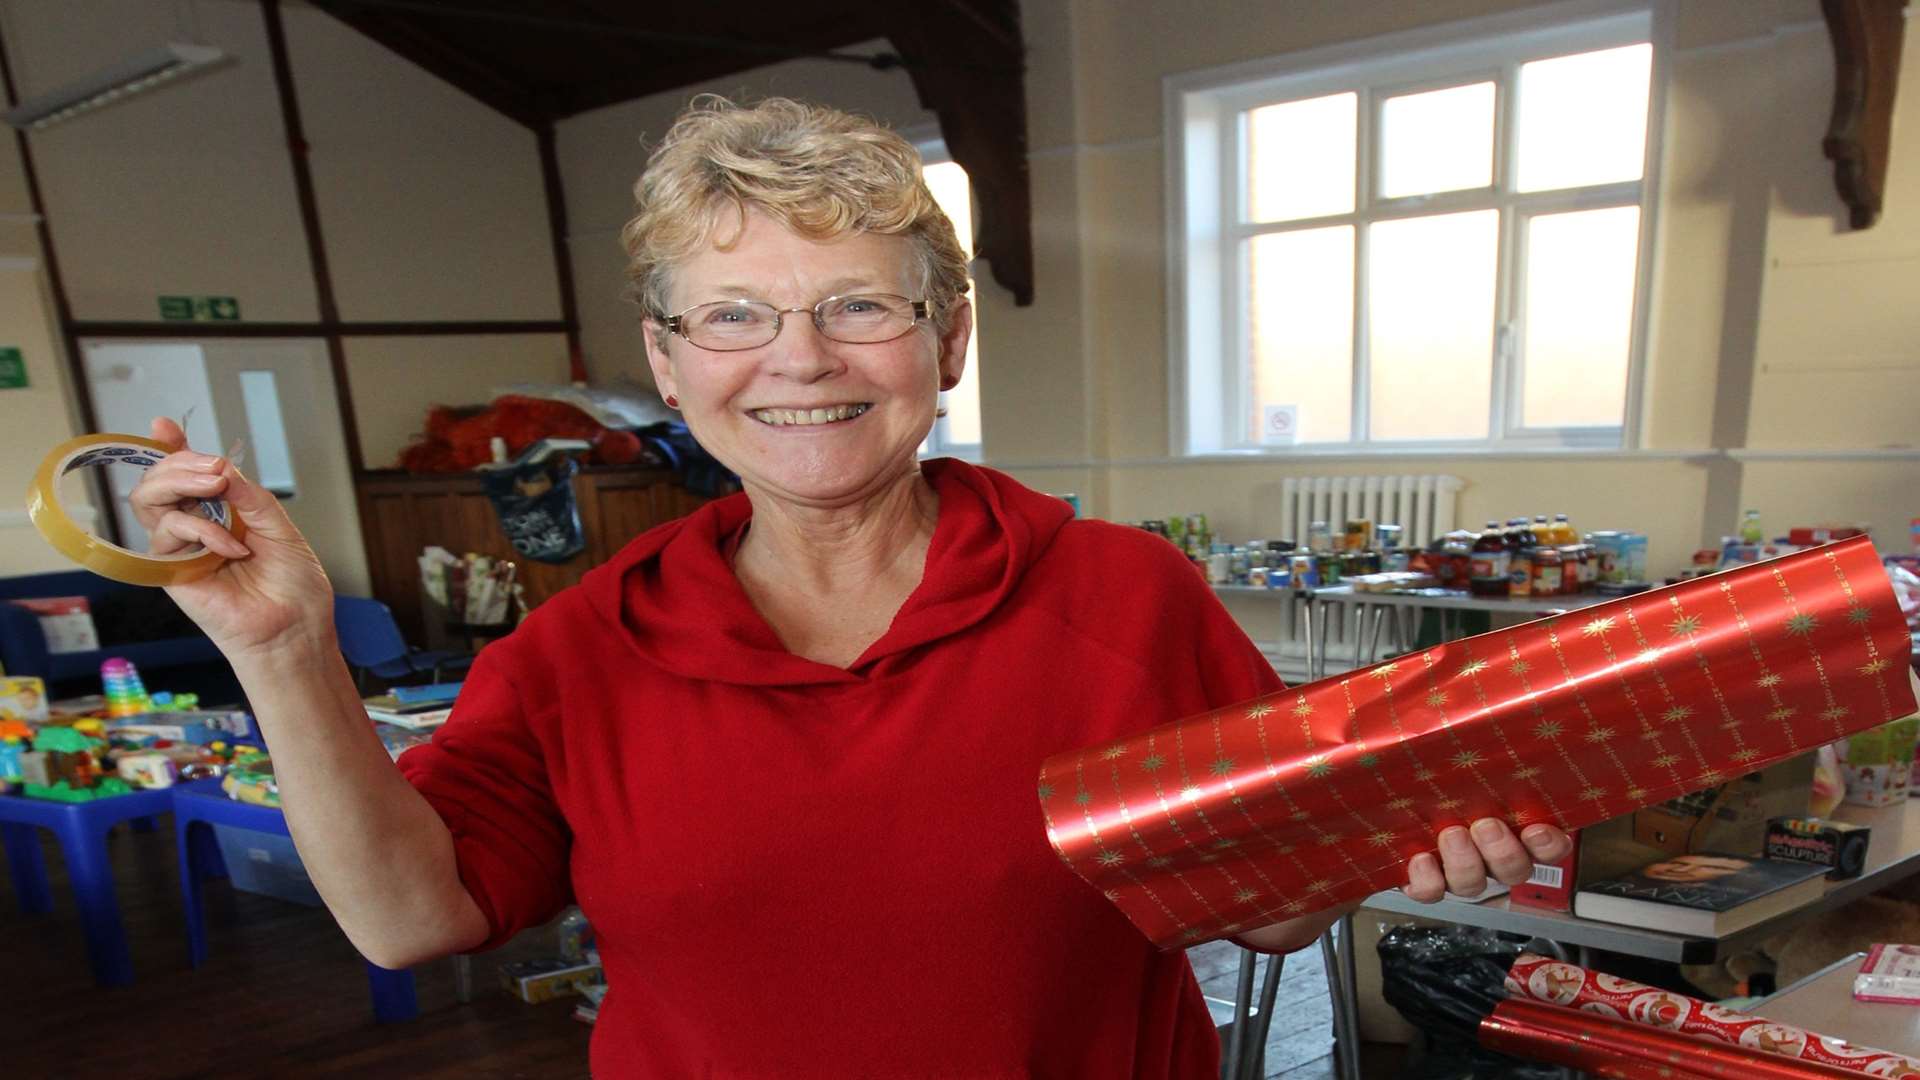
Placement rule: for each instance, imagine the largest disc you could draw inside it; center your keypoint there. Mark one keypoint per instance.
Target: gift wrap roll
(1552, 982)
(1312, 797)
(1606, 1046)
(98, 555)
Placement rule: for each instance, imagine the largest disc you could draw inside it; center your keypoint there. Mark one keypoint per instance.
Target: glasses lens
(730, 324)
(865, 319)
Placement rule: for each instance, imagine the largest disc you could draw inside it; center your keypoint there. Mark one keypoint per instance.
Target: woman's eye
(729, 316)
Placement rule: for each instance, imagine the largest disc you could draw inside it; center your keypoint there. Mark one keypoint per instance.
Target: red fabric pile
(461, 439)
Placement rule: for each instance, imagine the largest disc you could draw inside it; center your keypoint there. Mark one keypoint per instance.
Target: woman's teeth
(784, 417)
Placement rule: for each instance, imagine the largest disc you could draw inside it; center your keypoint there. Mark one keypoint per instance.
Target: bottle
(1563, 531)
(573, 937)
(1487, 563)
(1542, 531)
(1319, 538)
(1750, 530)
(1520, 545)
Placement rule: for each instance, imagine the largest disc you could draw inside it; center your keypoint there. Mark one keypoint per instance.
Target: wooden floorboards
(283, 995)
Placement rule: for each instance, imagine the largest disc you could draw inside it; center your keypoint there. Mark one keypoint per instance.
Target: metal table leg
(1242, 1018)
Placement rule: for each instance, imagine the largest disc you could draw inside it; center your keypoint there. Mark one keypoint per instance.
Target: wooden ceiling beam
(416, 42)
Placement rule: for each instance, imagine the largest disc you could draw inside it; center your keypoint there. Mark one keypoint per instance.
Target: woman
(782, 751)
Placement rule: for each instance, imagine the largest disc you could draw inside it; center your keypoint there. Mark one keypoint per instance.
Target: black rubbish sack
(534, 501)
(1445, 980)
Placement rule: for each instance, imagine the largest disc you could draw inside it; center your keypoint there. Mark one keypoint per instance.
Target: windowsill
(1285, 455)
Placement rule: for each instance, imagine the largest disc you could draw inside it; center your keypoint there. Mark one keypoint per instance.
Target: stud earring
(673, 402)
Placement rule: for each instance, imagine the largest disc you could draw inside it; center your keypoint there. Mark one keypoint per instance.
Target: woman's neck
(842, 551)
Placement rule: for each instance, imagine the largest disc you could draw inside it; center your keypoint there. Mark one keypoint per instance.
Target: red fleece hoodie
(796, 870)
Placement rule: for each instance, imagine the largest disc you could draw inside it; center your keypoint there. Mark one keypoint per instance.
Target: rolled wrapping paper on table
(1312, 797)
(100, 556)
(1565, 1014)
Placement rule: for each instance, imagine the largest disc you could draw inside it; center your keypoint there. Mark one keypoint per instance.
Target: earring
(948, 382)
(673, 402)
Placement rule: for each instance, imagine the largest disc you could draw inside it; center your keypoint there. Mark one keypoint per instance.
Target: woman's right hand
(271, 591)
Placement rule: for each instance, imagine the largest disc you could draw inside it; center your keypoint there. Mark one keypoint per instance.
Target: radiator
(1425, 506)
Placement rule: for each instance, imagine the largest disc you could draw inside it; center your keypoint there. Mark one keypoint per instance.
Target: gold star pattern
(1780, 714)
(1082, 797)
(1245, 896)
(1768, 681)
(1710, 778)
(1152, 762)
(1646, 656)
(1526, 772)
(1046, 792)
(1473, 667)
(1858, 614)
(1837, 712)
(1677, 714)
(1874, 666)
(1684, 626)
(1328, 839)
(1301, 815)
(1385, 670)
(1321, 885)
(1802, 624)
(1599, 735)
(1665, 761)
(1598, 626)
(1302, 707)
(1466, 759)
(1369, 761)
(1191, 793)
(1635, 794)
(1548, 729)
(1423, 774)
(1319, 766)
(1109, 857)
(1380, 837)
(1436, 698)
(1400, 803)
(1519, 667)
(1258, 710)
(1112, 753)
(1293, 907)
(1160, 862)
(1594, 793)
(1221, 766)
(1744, 755)
(1448, 804)
(1226, 843)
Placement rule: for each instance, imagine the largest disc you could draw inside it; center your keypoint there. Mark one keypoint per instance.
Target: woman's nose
(800, 351)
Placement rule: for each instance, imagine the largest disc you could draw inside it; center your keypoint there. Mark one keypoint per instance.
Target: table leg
(192, 868)
(1343, 1048)
(393, 997)
(1306, 617)
(143, 824)
(1378, 613)
(1235, 1065)
(28, 868)
(1269, 990)
(462, 978)
(93, 890)
(1326, 617)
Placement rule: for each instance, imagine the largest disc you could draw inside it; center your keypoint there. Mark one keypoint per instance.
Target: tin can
(1257, 577)
(1220, 568)
(1319, 538)
(1305, 570)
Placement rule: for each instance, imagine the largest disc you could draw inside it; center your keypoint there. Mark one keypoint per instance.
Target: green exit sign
(13, 369)
(200, 309)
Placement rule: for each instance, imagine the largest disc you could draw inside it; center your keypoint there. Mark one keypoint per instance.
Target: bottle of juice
(1520, 544)
(1563, 532)
(1750, 530)
(1487, 565)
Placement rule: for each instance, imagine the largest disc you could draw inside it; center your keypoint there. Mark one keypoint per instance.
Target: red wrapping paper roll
(1312, 797)
(1552, 982)
(1604, 1046)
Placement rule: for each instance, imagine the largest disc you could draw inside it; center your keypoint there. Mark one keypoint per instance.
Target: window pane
(1430, 283)
(951, 189)
(1441, 140)
(1579, 317)
(272, 462)
(1300, 158)
(1300, 318)
(1583, 118)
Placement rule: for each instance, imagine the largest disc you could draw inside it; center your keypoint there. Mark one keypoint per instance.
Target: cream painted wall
(431, 211)
(395, 379)
(184, 191)
(36, 418)
(602, 153)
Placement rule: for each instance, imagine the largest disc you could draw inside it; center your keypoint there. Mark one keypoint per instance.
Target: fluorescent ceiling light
(152, 68)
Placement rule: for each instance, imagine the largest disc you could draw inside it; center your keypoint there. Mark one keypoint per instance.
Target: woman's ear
(953, 343)
(653, 334)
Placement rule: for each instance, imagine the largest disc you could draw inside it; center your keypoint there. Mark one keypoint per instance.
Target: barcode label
(1548, 876)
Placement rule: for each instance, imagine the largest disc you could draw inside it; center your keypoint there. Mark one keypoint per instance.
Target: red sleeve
(486, 775)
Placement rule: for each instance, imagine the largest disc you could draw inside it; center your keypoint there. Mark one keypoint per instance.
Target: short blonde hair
(821, 172)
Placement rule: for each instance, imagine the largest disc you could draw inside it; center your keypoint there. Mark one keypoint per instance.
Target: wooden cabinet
(401, 514)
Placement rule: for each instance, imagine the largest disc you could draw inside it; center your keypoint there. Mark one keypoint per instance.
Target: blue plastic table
(200, 805)
(82, 831)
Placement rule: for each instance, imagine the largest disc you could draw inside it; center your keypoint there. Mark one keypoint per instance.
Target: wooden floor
(283, 995)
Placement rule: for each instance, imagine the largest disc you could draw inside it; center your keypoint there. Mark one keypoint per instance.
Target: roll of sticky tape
(97, 555)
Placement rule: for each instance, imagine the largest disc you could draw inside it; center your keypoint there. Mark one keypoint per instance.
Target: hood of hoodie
(673, 595)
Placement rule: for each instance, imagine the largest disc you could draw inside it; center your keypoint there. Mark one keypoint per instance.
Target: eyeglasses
(733, 325)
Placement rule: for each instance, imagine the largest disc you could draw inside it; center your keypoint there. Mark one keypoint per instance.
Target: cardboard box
(67, 622)
(1840, 845)
(535, 981)
(1552, 884)
(23, 697)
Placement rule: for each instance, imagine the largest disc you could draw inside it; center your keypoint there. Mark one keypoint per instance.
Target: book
(412, 721)
(1706, 894)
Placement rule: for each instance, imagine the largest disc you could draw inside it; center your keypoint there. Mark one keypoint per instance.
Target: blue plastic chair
(371, 642)
(82, 831)
(197, 807)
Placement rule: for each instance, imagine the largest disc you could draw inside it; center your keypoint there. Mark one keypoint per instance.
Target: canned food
(1305, 571)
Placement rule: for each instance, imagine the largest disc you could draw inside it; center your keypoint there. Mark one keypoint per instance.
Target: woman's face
(1687, 869)
(726, 396)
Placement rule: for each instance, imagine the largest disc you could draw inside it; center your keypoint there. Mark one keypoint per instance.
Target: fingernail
(207, 464)
(1423, 861)
(1487, 829)
(1455, 840)
(1535, 836)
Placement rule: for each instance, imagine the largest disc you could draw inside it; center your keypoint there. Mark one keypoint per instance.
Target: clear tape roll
(107, 559)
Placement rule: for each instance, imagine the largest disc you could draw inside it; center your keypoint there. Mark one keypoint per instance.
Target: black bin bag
(1445, 980)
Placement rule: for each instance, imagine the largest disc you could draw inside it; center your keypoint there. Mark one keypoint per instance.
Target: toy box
(1839, 845)
(535, 981)
(22, 697)
(1877, 764)
(265, 863)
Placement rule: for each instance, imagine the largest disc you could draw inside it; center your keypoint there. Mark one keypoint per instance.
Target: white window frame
(1207, 319)
(933, 151)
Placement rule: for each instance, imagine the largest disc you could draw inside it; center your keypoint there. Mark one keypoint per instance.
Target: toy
(250, 780)
(65, 767)
(23, 697)
(126, 696)
(147, 770)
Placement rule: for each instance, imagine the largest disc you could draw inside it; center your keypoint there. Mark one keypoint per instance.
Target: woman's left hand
(1469, 857)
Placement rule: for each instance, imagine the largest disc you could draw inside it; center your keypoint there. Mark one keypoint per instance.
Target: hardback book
(1706, 894)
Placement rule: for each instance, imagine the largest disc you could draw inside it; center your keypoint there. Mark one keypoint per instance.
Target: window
(956, 434)
(1434, 245)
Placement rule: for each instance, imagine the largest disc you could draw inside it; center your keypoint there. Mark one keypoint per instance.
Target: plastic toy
(65, 767)
(126, 695)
